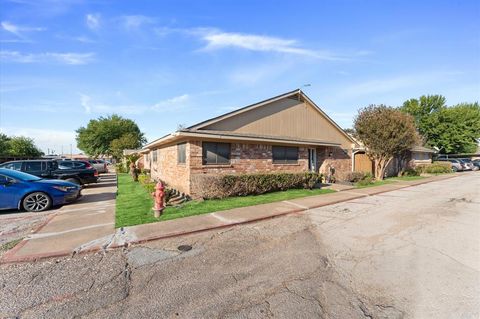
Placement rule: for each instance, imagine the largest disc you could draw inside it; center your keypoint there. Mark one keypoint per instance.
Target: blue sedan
(20, 190)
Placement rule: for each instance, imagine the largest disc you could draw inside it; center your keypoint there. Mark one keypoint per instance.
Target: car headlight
(65, 188)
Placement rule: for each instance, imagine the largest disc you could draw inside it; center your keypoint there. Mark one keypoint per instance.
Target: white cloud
(175, 103)
(217, 39)
(47, 57)
(18, 31)
(46, 138)
(168, 105)
(93, 20)
(132, 22)
(85, 101)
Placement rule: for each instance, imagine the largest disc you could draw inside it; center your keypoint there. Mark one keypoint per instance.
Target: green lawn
(134, 204)
(375, 183)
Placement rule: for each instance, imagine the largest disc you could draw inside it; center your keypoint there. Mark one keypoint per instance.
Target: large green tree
(386, 133)
(106, 135)
(454, 129)
(4, 141)
(18, 146)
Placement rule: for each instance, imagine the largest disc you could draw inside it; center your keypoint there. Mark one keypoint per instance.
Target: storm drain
(184, 247)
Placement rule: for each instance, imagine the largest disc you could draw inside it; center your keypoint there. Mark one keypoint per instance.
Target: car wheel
(454, 169)
(73, 180)
(37, 202)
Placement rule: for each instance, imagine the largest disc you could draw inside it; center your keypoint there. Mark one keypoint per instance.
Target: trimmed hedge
(221, 186)
(434, 168)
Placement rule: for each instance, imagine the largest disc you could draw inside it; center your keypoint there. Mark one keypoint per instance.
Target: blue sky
(165, 63)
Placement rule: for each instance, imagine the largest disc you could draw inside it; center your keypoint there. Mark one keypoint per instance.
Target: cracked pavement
(411, 253)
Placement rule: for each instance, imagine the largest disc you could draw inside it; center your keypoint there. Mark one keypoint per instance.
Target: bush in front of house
(149, 185)
(354, 177)
(410, 172)
(367, 179)
(435, 168)
(121, 168)
(221, 186)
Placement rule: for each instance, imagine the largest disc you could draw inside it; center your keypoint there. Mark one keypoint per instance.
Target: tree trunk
(381, 165)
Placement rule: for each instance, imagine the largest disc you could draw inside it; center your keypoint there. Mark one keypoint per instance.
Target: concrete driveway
(79, 223)
(411, 253)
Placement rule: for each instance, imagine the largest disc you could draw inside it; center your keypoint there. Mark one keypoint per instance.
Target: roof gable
(291, 114)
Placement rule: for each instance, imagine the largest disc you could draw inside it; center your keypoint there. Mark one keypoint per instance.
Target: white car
(99, 165)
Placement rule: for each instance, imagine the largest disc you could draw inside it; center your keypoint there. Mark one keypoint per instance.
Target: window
(284, 155)
(154, 156)
(216, 153)
(182, 153)
(15, 166)
(33, 166)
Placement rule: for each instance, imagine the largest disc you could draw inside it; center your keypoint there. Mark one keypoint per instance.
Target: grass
(134, 204)
(10, 244)
(374, 183)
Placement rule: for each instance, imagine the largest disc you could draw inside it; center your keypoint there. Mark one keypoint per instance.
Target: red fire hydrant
(158, 197)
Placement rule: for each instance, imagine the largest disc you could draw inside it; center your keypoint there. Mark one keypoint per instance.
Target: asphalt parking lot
(410, 253)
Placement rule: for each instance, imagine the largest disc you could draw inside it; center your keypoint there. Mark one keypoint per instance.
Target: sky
(177, 62)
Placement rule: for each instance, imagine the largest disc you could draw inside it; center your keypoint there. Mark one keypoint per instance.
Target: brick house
(286, 133)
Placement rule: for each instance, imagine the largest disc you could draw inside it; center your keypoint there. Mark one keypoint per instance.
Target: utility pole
(71, 153)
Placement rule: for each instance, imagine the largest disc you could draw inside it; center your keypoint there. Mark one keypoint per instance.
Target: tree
(4, 144)
(97, 138)
(454, 129)
(22, 146)
(386, 133)
(126, 141)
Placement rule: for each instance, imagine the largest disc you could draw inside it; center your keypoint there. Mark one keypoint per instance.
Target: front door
(312, 160)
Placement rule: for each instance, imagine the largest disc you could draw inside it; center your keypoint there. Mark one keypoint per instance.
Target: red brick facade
(244, 158)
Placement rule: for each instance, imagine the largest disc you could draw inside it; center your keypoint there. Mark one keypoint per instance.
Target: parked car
(468, 164)
(49, 169)
(456, 164)
(72, 164)
(20, 190)
(476, 162)
(99, 165)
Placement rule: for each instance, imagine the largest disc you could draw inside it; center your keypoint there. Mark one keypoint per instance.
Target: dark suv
(49, 169)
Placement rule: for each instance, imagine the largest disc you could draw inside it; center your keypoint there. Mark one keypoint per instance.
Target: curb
(9, 258)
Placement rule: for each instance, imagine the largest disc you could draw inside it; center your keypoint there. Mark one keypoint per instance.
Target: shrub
(221, 186)
(435, 168)
(366, 180)
(150, 184)
(354, 177)
(410, 172)
(121, 168)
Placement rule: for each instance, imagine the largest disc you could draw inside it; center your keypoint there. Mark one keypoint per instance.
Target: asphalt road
(411, 253)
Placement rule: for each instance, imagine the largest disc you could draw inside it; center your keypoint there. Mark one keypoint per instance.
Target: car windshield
(20, 175)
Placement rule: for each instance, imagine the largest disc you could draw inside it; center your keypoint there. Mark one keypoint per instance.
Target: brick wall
(337, 158)
(244, 159)
(167, 169)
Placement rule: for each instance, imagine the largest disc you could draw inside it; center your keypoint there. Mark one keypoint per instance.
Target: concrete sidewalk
(77, 227)
(91, 228)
